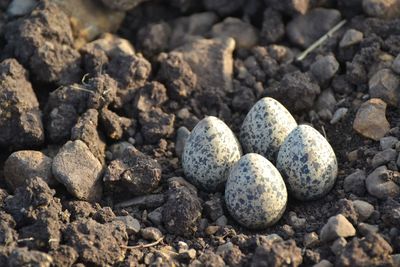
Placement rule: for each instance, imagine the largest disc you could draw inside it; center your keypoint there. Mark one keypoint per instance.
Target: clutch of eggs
(255, 193)
(210, 151)
(265, 128)
(308, 163)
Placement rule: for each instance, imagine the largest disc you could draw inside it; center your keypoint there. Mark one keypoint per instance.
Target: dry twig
(144, 245)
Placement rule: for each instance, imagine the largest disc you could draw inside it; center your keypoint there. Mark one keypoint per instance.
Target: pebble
(339, 114)
(310, 239)
(380, 186)
(132, 225)
(212, 229)
(78, 170)
(363, 208)
(366, 229)
(296, 222)
(338, 246)
(351, 37)
(383, 157)
(388, 142)
(396, 64)
(25, 164)
(20, 7)
(122, 5)
(222, 221)
(326, 100)
(337, 226)
(323, 263)
(381, 8)
(213, 208)
(371, 119)
(398, 161)
(225, 248)
(182, 134)
(151, 233)
(155, 216)
(324, 68)
(385, 84)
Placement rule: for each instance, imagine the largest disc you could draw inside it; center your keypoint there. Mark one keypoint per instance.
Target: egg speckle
(308, 163)
(209, 153)
(255, 193)
(265, 128)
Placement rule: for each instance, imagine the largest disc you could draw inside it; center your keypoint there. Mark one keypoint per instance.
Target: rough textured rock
(223, 7)
(380, 185)
(156, 124)
(337, 226)
(385, 84)
(273, 28)
(355, 183)
(97, 244)
(324, 68)
(25, 164)
(371, 120)
(115, 126)
(64, 256)
(290, 7)
(25, 257)
(151, 95)
(78, 170)
(20, 116)
(364, 209)
(384, 157)
(133, 172)
(303, 30)
(122, 5)
(381, 8)
(277, 253)
(351, 37)
(131, 224)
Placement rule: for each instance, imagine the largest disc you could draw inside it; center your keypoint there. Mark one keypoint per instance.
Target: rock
(381, 8)
(25, 257)
(43, 41)
(385, 84)
(213, 208)
(20, 7)
(84, 236)
(370, 119)
(339, 114)
(296, 222)
(338, 246)
(122, 5)
(371, 250)
(388, 142)
(182, 211)
(61, 119)
(324, 68)
(289, 7)
(155, 216)
(379, 184)
(25, 164)
(278, 253)
(363, 208)
(156, 124)
(133, 172)
(396, 64)
(244, 34)
(116, 126)
(323, 263)
(153, 38)
(273, 28)
(296, 91)
(365, 229)
(151, 233)
(346, 208)
(131, 224)
(326, 100)
(178, 181)
(64, 256)
(351, 37)
(20, 116)
(182, 135)
(383, 157)
(222, 221)
(337, 226)
(310, 239)
(211, 60)
(355, 183)
(210, 259)
(151, 95)
(223, 7)
(78, 170)
(305, 29)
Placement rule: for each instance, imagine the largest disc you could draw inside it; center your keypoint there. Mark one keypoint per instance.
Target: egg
(265, 128)
(308, 163)
(210, 151)
(255, 193)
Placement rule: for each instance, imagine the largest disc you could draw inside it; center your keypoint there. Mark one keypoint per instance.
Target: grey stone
(364, 209)
(296, 222)
(366, 229)
(388, 142)
(398, 161)
(132, 225)
(20, 7)
(213, 208)
(323, 263)
(151, 233)
(339, 114)
(182, 134)
(385, 84)
(310, 239)
(78, 170)
(338, 246)
(273, 27)
(379, 185)
(155, 216)
(383, 157)
(122, 5)
(324, 68)
(396, 64)
(326, 100)
(222, 221)
(337, 226)
(351, 37)
(355, 183)
(381, 8)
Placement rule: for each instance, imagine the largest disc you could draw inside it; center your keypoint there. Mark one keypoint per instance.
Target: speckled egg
(210, 151)
(265, 128)
(255, 193)
(308, 163)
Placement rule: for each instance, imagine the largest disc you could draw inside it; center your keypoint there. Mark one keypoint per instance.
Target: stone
(131, 224)
(338, 246)
(244, 34)
(155, 216)
(223, 7)
(364, 229)
(182, 134)
(25, 257)
(370, 120)
(115, 126)
(213, 208)
(211, 60)
(337, 226)
(152, 94)
(22, 165)
(388, 142)
(151, 233)
(396, 64)
(383, 157)
(20, 115)
(222, 221)
(385, 84)
(326, 100)
(156, 124)
(351, 37)
(324, 68)
(381, 8)
(364, 209)
(339, 114)
(305, 29)
(310, 239)
(273, 27)
(278, 253)
(379, 184)
(122, 5)
(78, 170)
(153, 38)
(296, 222)
(20, 7)
(323, 263)
(289, 7)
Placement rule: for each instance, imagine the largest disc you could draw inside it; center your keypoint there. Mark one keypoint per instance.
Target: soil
(103, 117)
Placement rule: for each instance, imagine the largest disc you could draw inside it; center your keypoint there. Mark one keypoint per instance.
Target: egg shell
(308, 163)
(255, 193)
(265, 128)
(210, 151)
